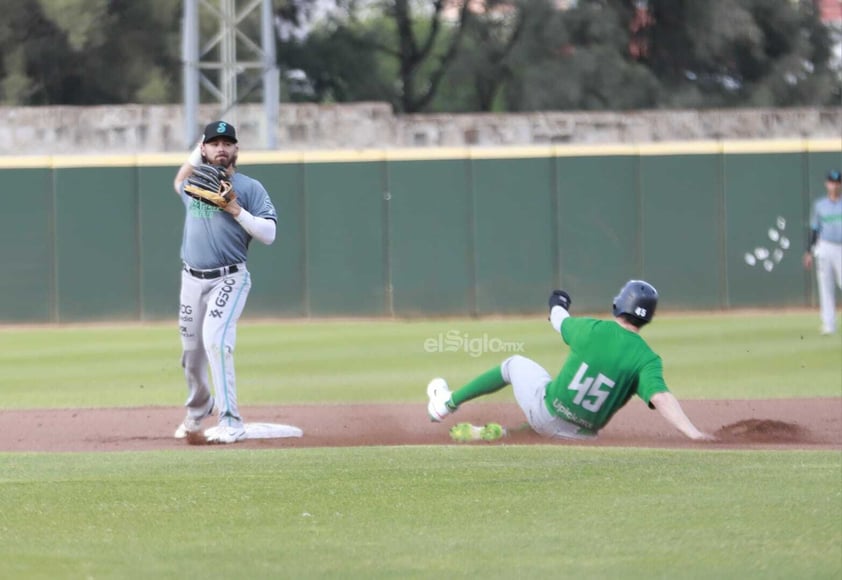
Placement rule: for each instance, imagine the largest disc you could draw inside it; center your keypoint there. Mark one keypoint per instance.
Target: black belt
(212, 274)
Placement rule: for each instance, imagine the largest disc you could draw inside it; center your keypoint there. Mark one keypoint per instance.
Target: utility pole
(215, 65)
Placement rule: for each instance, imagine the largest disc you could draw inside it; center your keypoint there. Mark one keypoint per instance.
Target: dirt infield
(740, 424)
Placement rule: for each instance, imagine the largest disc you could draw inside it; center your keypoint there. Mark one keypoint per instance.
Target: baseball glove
(210, 184)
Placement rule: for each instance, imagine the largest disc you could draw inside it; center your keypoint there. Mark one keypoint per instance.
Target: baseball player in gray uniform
(215, 281)
(825, 249)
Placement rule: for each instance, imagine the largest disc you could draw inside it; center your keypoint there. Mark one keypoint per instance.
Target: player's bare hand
(808, 260)
(233, 207)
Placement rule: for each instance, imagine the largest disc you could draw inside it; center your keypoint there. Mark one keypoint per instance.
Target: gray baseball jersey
(826, 219)
(212, 237)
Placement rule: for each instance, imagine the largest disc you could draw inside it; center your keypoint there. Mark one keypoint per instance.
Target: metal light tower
(214, 64)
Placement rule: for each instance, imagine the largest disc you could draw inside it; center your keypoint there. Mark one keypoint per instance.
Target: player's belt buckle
(212, 274)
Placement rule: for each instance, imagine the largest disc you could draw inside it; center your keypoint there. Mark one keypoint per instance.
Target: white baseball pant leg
(211, 338)
(529, 382)
(193, 360)
(226, 301)
(828, 277)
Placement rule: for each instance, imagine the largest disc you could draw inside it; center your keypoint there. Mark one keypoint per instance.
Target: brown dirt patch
(740, 424)
(762, 431)
(196, 438)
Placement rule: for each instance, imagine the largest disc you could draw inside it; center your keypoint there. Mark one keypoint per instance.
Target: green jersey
(607, 364)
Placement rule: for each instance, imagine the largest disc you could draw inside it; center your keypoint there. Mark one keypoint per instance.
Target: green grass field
(705, 357)
(490, 511)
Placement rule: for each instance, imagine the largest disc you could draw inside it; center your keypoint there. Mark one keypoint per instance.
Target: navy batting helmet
(637, 299)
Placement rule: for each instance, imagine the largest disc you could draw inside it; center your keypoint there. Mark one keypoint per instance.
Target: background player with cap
(825, 248)
(215, 281)
(609, 362)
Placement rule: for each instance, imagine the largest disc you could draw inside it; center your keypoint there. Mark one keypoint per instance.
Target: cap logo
(221, 128)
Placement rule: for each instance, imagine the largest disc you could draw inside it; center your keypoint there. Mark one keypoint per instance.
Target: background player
(608, 363)
(825, 244)
(215, 282)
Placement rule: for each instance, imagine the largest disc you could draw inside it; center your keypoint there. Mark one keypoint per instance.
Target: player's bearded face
(221, 152)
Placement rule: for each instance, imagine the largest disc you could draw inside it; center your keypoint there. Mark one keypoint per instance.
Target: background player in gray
(825, 248)
(609, 362)
(215, 283)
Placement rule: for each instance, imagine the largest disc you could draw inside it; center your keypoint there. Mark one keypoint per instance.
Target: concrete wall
(129, 129)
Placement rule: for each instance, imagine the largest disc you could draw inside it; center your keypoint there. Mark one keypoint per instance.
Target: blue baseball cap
(834, 175)
(219, 129)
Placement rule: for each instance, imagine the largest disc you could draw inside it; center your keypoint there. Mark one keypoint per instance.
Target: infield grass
(422, 512)
(711, 356)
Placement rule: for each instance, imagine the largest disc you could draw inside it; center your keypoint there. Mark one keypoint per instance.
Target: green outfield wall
(427, 232)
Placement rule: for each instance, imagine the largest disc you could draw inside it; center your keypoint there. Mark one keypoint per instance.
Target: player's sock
(487, 382)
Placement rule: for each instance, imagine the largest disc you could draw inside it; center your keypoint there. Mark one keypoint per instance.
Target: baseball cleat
(439, 406)
(225, 434)
(464, 432)
(190, 424)
(492, 432)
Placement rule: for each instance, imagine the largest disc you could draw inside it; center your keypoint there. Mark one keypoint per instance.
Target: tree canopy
(443, 55)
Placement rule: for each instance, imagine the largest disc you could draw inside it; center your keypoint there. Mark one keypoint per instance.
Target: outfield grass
(489, 511)
(716, 356)
(423, 512)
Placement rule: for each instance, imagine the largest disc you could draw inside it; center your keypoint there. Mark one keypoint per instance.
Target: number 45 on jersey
(591, 391)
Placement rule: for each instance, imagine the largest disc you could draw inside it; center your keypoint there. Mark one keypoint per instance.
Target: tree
(599, 54)
(418, 45)
(739, 53)
(485, 62)
(580, 60)
(84, 52)
(32, 55)
(444, 55)
(336, 68)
